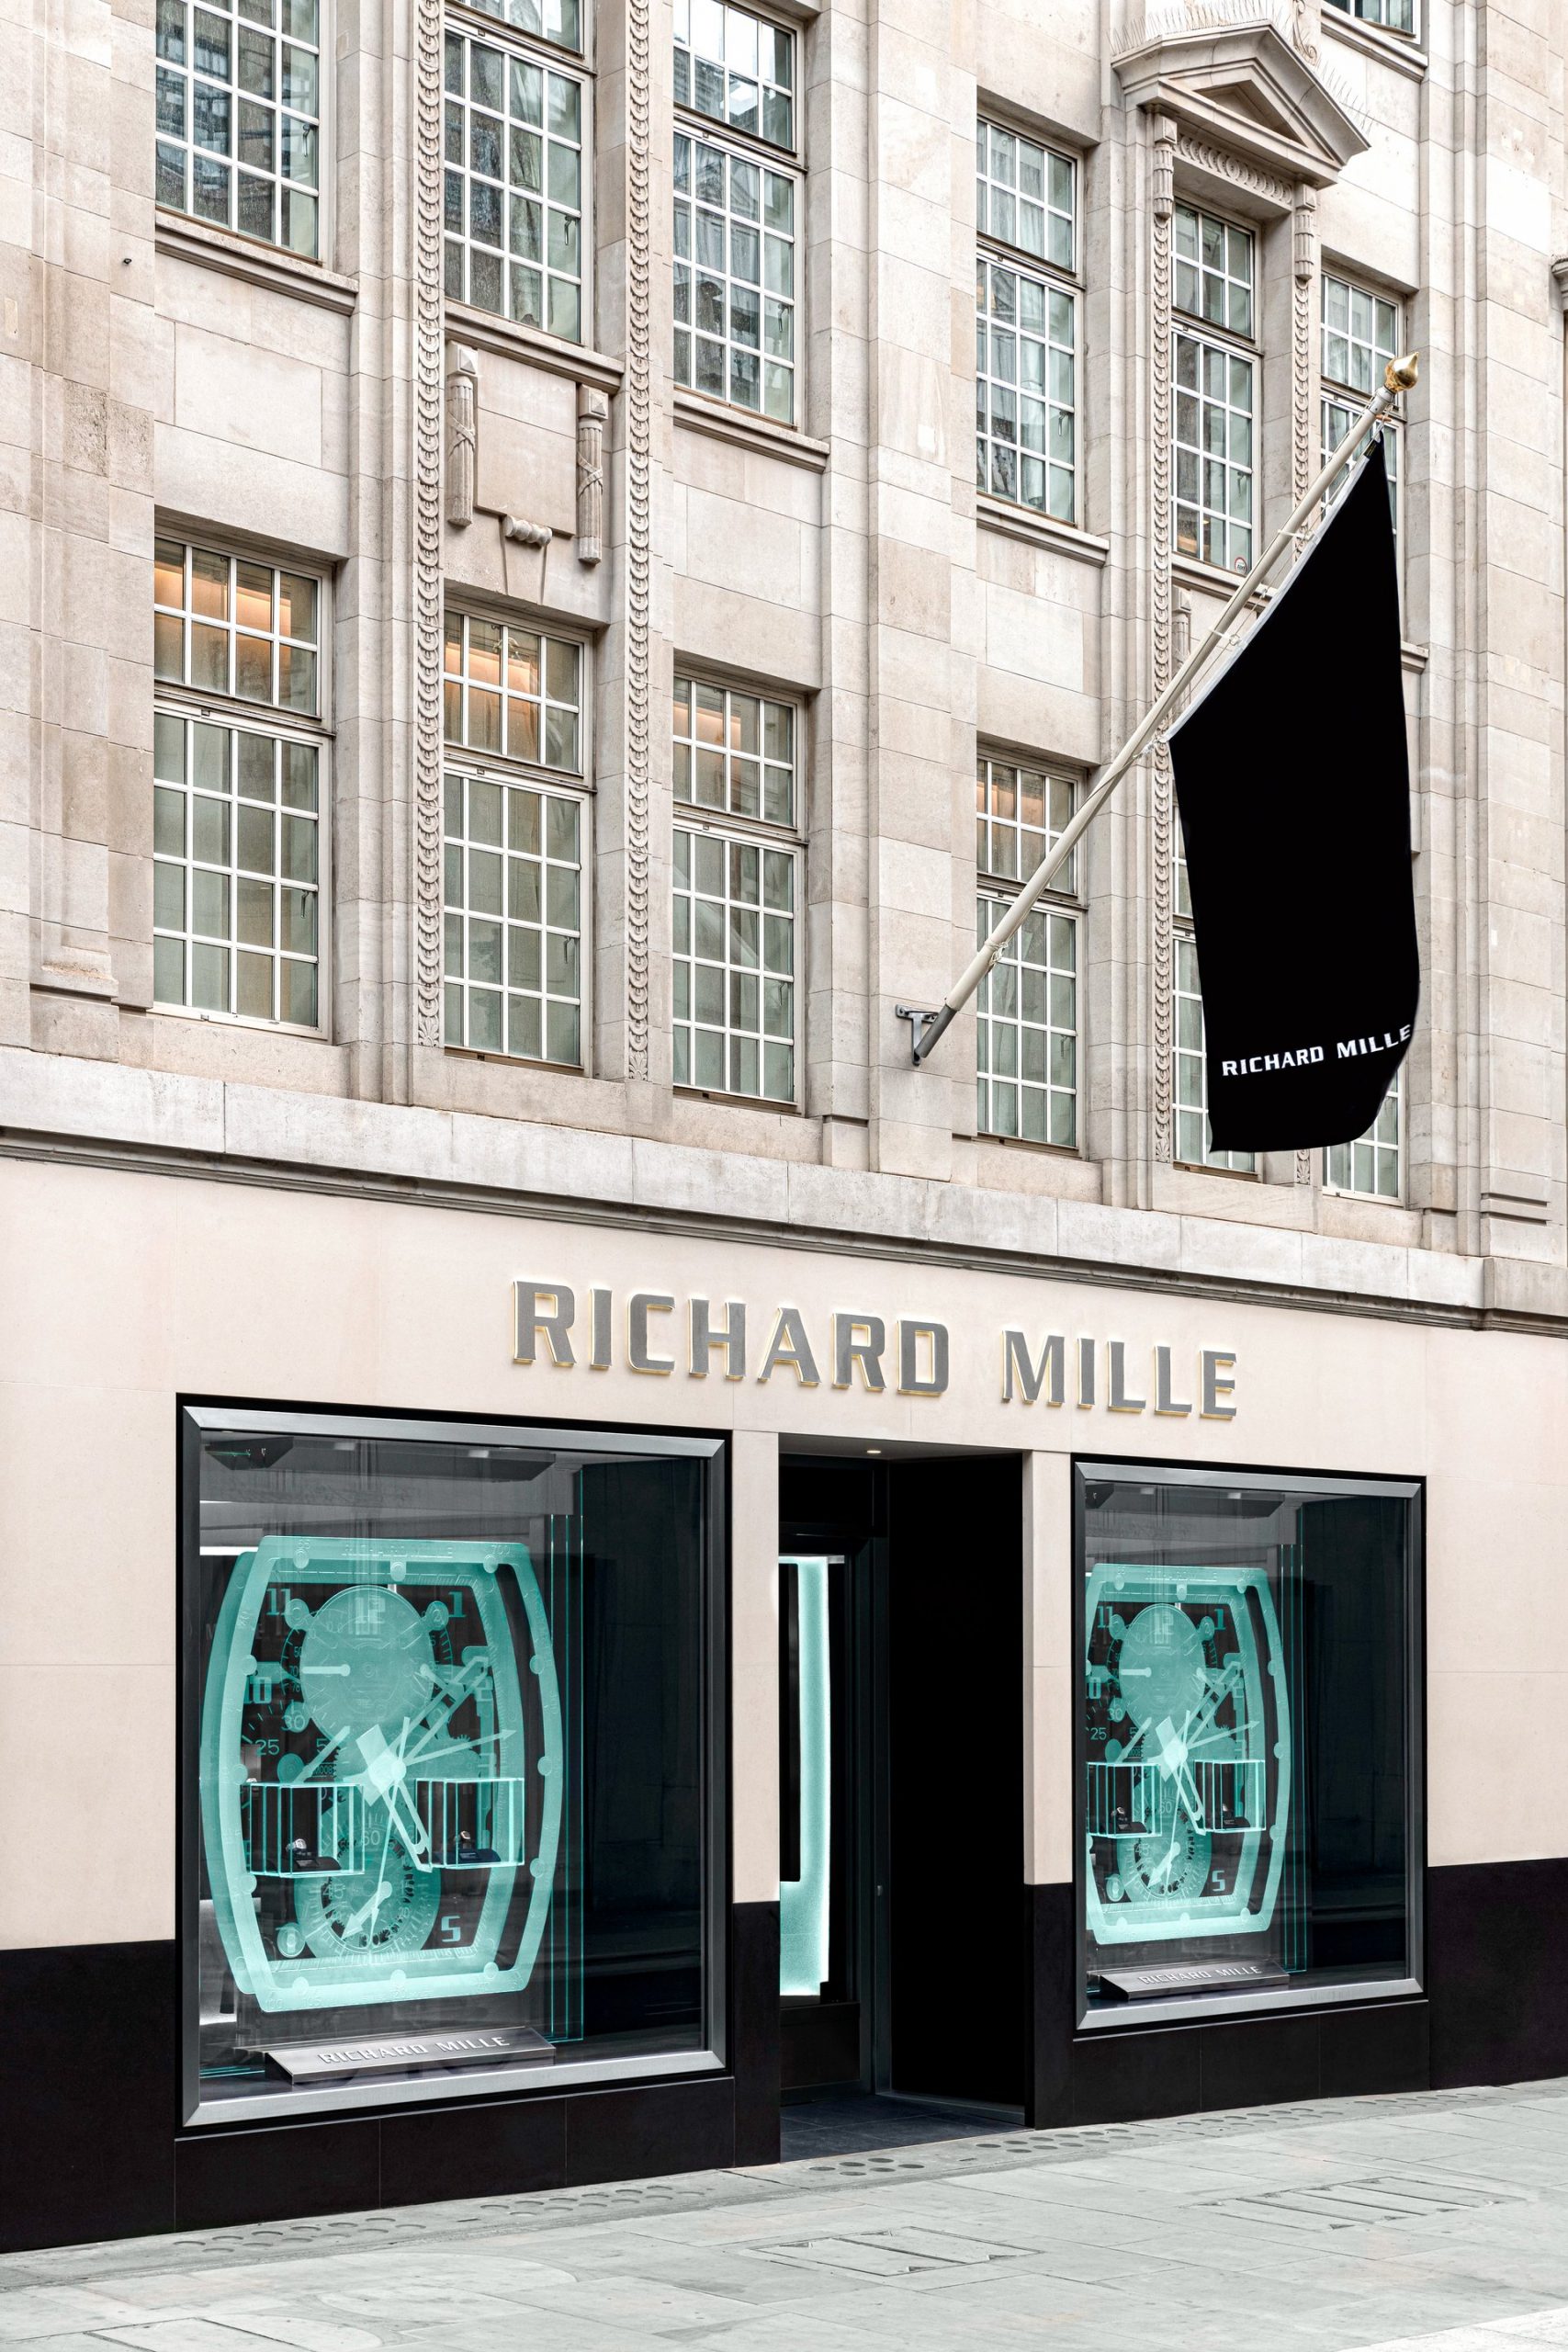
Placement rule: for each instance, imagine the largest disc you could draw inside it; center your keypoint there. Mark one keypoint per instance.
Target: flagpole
(927, 1027)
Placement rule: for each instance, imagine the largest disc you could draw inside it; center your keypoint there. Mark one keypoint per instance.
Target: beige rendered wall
(120, 1289)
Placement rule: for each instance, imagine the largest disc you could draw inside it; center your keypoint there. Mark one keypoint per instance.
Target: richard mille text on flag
(1294, 787)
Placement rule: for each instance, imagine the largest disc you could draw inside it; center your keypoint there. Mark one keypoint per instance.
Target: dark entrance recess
(926, 1994)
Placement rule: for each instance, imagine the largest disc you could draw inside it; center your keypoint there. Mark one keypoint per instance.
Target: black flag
(1293, 784)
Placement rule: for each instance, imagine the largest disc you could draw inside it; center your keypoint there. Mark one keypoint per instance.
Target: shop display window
(1248, 1737)
(449, 1762)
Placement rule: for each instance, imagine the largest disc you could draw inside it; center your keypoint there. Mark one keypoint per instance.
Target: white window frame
(996, 884)
(728, 837)
(462, 771)
(1214, 339)
(738, 145)
(728, 9)
(1060, 287)
(1186, 1056)
(324, 49)
(197, 705)
(728, 833)
(1340, 1160)
(570, 65)
(1342, 401)
(735, 148)
(493, 765)
(696, 754)
(487, 15)
(1208, 515)
(1374, 12)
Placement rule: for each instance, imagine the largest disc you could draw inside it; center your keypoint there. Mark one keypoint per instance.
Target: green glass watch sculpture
(1189, 1773)
(381, 1803)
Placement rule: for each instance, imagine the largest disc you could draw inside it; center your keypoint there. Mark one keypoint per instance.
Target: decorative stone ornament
(593, 412)
(462, 433)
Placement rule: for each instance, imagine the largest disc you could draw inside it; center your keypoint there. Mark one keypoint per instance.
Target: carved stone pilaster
(428, 358)
(1163, 651)
(638, 558)
(592, 410)
(462, 434)
(1304, 310)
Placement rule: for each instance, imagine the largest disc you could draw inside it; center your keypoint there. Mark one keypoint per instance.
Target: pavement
(1434, 2222)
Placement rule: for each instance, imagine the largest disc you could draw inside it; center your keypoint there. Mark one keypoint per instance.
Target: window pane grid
(1025, 336)
(513, 691)
(238, 100)
(734, 278)
(1372, 1164)
(1361, 336)
(227, 625)
(1024, 195)
(734, 967)
(1026, 1029)
(1192, 1143)
(513, 888)
(1398, 16)
(1213, 397)
(737, 68)
(1338, 416)
(513, 202)
(1020, 813)
(734, 752)
(236, 871)
(558, 21)
(1214, 270)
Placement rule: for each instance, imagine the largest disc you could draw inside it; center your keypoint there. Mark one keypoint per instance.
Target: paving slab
(1433, 2223)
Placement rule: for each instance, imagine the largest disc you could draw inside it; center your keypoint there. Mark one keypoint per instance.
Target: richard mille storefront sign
(699, 1339)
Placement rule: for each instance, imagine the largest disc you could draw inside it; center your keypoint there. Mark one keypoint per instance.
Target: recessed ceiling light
(873, 1448)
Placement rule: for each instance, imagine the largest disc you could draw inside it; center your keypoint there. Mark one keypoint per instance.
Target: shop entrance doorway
(903, 1970)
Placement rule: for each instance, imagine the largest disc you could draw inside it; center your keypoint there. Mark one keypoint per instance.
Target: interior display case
(448, 1716)
(1248, 1737)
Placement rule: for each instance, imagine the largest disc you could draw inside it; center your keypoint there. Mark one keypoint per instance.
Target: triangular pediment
(1242, 85)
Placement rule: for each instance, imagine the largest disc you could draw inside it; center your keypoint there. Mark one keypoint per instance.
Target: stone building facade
(568, 554)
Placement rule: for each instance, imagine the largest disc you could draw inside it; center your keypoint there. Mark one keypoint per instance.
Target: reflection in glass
(451, 1772)
(1246, 1779)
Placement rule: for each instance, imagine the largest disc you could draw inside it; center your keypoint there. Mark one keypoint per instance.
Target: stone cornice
(53, 1107)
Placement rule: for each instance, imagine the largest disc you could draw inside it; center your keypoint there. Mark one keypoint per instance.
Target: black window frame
(1193, 2008)
(196, 1418)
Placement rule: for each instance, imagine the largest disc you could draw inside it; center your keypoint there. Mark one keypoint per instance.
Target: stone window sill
(1210, 581)
(1396, 49)
(257, 264)
(508, 341)
(1040, 530)
(748, 432)
(1036, 1149)
(1227, 1175)
(738, 1102)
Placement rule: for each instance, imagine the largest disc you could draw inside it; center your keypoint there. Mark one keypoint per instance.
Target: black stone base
(92, 2145)
(1493, 2011)
(1497, 1972)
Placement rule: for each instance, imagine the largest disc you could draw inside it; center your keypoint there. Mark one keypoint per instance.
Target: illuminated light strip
(803, 1901)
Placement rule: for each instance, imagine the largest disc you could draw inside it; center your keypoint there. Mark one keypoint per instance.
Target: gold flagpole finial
(1402, 374)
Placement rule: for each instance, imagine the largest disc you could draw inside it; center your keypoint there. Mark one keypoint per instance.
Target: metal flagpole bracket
(919, 1021)
(1307, 517)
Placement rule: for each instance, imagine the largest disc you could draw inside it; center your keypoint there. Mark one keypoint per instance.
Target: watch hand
(1165, 1869)
(369, 1910)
